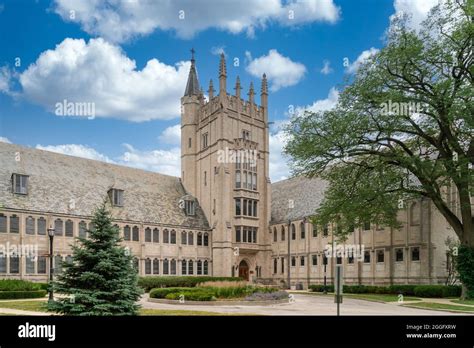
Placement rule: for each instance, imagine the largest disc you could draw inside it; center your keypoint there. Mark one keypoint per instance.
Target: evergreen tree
(100, 279)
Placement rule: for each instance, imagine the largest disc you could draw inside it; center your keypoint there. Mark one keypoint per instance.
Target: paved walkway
(305, 304)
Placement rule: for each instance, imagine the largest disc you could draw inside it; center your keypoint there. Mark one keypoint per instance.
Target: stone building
(218, 219)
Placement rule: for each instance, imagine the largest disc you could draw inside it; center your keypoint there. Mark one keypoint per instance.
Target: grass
(177, 312)
(442, 306)
(464, 302)
(35, 306)
(371, 297)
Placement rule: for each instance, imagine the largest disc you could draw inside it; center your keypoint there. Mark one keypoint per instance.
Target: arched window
(190, 238)
(275, 237)
(199, 267)
(3, 224)
(199, 239)
(41, 226)
(58, 227)
(275, 266)
(166, 236)
(293, 232)
(156, 266)
(183, 267)
(30, 225)
(156, 235)
(135, 234)
(41, 265)
(206, 268)
(82, 229)
(184, 239)
(415, 214)
(173, 237)
(190, 267)
(14, 224)
(282, 233)
(166, 266)
(302, 231)
(126, 233)
(173, 266)
(206, 239)
(148, 234)
(69, 228)
(147, 266)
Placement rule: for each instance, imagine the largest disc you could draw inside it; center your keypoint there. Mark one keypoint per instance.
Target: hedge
(201, 295)
(406, 290)
(149, 283)
(20, 285)
(9, 295)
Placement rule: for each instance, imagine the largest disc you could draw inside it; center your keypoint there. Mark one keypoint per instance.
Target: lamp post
(51, 269)
(289, 256)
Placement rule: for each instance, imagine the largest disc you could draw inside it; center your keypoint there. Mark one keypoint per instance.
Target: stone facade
(221, 218)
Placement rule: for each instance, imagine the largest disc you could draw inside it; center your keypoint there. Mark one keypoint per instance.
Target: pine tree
(100, 279)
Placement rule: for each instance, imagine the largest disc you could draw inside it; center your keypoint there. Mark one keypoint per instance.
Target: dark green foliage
(8, 295)
(406, 290)
(199, 295)
(465, 268)
(101, 279)
(20, 285)
(149, 283)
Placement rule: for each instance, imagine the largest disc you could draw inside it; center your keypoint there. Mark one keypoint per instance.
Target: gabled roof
(61, 184)
(306, 194)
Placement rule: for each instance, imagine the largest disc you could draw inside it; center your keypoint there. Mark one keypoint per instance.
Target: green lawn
(36, 306)
(442, 306)
(464, 302)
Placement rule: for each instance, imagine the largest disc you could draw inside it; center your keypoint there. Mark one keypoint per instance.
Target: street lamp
(51, 269)
(289, 256)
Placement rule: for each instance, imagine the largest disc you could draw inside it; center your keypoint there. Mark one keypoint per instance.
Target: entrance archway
(244, 270)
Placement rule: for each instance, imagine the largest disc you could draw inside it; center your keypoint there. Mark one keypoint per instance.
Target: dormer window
(20, 184)
(116, 197)
(189, 207)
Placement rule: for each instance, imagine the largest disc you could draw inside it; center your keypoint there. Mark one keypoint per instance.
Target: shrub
(199, 295)
(149, 283)
(320, 288)
(437, 291)
(20, 285)
(465, 268)
(162, 292)
(10, 295)
(406, 290)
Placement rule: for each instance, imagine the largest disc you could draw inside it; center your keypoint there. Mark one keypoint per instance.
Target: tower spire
(211, 90)
(192, 86)
(251, 93)
(222, 76)
(237, 88)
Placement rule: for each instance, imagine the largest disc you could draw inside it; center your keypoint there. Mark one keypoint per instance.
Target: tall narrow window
(206, 268)
(3, 265)
(135, 234)
(184, 239)
(126, 233)
(173, 237)
(282, 233)
(166, 236)
(199, 239)
(237, 234)
(3, 223)
(237, 179)
(282, 261)
(41, 264)
(399, 255)
(173, 266)
(302, 231)
(204, 140)
(82, 229)
(366, 256)
(199, 267)
(189, 142)
(58, 227)
(69, 228)
(415, 254)
(275, 237)
(148, 234)
(156, 235)
(206, 239)
(205, 178)
(190, 238)
(293, 232)
(166, 265)
(156, 266)
(30, 265)
(190, 267)
(238, 210)
(380, 256)
(30, 225)
(315, 230)
(14, 264)
(147, 266)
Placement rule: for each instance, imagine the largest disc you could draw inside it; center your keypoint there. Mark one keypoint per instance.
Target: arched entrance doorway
(244, 270)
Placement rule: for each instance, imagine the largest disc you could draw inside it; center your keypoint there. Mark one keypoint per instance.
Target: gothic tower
(224, 161)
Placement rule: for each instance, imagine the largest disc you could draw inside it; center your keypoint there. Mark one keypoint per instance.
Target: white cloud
(5, 79)
(279, 169)
(119, 21)
(171, 135)
(99, 72)
(361, 59)
(5, 140)
(322, 104)
(326, 70)
(161, 161)
(417, 10)
(218, 50)
(281, 71)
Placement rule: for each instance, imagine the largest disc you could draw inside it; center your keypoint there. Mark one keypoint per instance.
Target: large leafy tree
(100, 279)
(402, 128)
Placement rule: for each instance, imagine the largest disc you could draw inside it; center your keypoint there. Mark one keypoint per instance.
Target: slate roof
(192, 86)
(56, 180)
(306, 194)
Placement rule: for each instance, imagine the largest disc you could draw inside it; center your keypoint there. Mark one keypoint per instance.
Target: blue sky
(131, 59)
